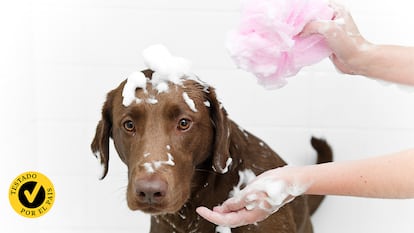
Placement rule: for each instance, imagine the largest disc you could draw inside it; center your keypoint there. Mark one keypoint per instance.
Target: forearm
(388, 176)
(387, 62)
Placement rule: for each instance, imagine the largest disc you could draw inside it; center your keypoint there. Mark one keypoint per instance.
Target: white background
(58, 59)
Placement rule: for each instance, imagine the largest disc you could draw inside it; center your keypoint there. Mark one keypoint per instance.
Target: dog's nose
(151, 190)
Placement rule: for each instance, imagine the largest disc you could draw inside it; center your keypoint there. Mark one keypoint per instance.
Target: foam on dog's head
(134, 81)
(167, 68)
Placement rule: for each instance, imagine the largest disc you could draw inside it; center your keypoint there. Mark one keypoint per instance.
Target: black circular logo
(34, 191)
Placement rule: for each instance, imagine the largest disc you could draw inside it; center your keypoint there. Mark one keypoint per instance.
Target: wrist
(362, 61)
(298, 177)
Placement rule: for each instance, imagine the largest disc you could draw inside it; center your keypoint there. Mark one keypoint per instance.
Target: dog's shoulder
(250, 152)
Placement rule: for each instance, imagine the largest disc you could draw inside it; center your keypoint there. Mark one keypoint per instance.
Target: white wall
(59, 58)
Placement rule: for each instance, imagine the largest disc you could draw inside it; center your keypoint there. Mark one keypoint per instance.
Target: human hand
(343, 37)
(260, 198)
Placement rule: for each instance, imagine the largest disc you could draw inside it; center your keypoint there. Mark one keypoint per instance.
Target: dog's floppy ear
(100, 143)
(221, 123)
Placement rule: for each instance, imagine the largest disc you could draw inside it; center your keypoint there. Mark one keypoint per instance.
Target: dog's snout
(150, 191)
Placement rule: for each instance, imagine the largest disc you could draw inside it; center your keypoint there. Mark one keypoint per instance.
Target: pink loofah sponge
(266, 41)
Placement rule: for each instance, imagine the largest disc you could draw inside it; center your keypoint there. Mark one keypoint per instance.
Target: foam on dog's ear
(100, 147)
(218, 115)
(102, 169)
(100, 143)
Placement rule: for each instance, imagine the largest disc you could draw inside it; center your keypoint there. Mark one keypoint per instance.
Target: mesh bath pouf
(266, 41)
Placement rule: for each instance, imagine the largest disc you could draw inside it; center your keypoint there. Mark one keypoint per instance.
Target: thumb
(316, 27)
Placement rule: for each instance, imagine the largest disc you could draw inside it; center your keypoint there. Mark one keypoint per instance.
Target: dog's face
(162, 137)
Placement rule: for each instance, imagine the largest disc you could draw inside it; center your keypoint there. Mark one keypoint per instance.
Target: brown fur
(171, 193)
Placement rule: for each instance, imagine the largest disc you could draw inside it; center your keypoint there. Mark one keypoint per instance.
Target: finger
(208, 214)
(222, 219)
(339, 9)
(232, 205)
(316, 27)
(342, 15)
(233, 219)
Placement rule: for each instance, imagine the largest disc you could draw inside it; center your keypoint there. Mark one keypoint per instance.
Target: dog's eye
(129, 125)
(184, 124)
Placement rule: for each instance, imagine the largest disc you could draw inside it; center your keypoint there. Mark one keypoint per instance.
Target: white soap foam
(245, 177)
(148, 167)
(135, 80)
(167, 69)
(189, 102)
(207, 103)
(228, 163)
(152, 166)
(101, 167)
(166, 66)
(279, 193)
(222, 229)
(151, 100)
(162, 87)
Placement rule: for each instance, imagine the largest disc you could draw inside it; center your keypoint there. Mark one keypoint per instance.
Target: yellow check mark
(31, 196)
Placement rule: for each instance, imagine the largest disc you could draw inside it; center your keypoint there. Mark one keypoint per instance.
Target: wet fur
(200, 156)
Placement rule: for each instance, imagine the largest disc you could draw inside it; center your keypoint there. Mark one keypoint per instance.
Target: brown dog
(177, 146)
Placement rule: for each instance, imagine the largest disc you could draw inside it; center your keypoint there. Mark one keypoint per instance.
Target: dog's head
(162, 136)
